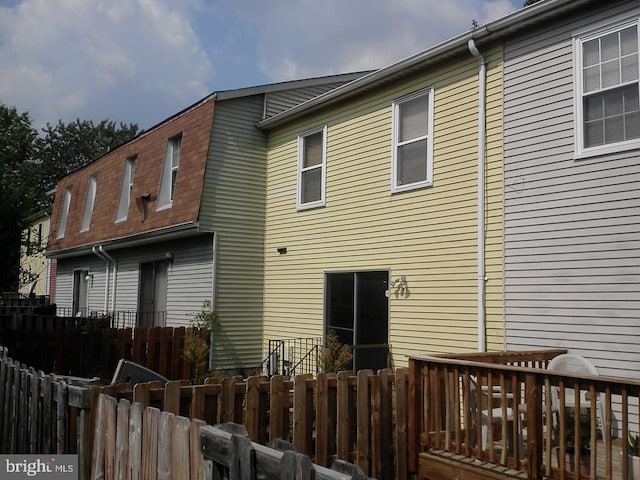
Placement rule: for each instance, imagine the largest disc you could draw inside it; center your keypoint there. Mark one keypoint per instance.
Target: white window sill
(411, 186)
(309, 206)
(606, 149)
(164, 207)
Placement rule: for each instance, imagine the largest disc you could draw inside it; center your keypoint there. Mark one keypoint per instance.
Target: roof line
(496, 29)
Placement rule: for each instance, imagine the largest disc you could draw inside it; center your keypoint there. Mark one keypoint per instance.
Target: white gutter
(106, 283)
(104, 253)
(482, 94)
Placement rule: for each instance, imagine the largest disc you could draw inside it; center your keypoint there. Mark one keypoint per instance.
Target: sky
(141, 61)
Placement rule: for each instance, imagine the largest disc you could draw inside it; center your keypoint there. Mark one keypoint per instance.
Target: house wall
(572, 243)
(233, 206)
(189, 277)
(428, 235)
(285, 99)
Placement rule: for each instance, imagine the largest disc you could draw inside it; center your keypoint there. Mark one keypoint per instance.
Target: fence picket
(164, 446)
(322, 418)
(135, 441)
(151, 423)
(302, 414)
(363, 418)
(122, 440)
(197, 462)
(109, 417)
(180, 447)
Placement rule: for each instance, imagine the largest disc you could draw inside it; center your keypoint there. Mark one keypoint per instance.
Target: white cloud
(128, 60)
(307, 37)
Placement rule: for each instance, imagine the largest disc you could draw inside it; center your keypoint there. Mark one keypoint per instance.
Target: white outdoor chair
(572, 363)
(496, 413)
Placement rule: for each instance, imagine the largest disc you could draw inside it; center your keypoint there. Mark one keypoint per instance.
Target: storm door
(152, 297)
(357, 310)
(81, 279)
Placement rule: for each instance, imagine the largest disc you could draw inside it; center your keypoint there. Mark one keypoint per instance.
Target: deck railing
(486, 414)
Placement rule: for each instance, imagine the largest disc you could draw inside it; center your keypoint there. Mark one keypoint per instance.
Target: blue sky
(143, 60)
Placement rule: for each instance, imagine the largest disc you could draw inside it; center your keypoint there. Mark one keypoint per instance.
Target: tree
(31, 165)
(65, 147)
(18, 183)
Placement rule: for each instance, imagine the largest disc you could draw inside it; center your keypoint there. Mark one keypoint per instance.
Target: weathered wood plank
(180, 447)
(344, 417)
(164, 446)
(151, 423)
(109, 429)
(402, 402)
(97, 456)
(363, 419)
(122, 440)
(135, 441)
(197, 462)
(302, 418)
(322, 419)
(171, 402)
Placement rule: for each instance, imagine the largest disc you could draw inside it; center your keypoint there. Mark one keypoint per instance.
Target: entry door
(80, 293)
(152, 298)
(357, 309)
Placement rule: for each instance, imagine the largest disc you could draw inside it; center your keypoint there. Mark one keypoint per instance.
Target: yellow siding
(33, 264)
(428, 235)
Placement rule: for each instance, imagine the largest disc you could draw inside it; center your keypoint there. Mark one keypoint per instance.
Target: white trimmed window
(169, 172)
(412, 165)
(64, 212)
(89, 203)
(312, 159)
(125, 189)
(607, 89)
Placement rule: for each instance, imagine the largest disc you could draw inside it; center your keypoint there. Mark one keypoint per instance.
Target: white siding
(572, 235)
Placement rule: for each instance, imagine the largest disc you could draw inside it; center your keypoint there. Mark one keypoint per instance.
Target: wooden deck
(486, 416)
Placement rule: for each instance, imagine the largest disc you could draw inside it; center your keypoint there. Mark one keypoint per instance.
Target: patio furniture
(572, 363)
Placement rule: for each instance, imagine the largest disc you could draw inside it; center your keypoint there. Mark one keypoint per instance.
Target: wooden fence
(44, 413)
(95, 352)
(356, 418)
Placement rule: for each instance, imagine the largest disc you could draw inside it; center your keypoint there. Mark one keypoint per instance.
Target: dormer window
(64, 212)
(89, 202)
(169, 172)
(125, 189)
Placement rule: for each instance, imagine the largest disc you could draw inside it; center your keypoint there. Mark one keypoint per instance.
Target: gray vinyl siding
(572, 227)
(280, 101)
(189, 278)
(233, 207)
(64, 282)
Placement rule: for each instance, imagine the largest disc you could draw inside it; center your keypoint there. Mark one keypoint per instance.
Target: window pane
(593, 134)
(611, 73)
(593, 107)
(609, 45)
(591, 53)
(412, 163)
(631, 98)
(613, 103)
(175, 157)
(613, 129)
(413, 118)
(311, 184)
(629, 40)
(632, 126)
(312, 150)
(630, 68)
(592, 78)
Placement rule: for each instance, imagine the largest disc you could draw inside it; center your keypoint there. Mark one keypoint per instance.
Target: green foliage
(585, 432)
(633, 445)
(196, 347)
(67, 146)
(335, 356)
(18, 180)
(30, 166)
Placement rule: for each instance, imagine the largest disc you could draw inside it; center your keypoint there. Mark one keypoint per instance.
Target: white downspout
(213, 295)
(482, 74)
(113, 279)
(106, 283)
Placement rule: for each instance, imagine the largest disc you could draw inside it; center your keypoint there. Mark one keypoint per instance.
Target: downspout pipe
(482, 96)
(104, 253)
(106, 283)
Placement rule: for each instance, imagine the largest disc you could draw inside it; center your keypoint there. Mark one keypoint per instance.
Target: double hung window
(312, 155)
(89, 203)
(64, 212)
(608, 107)
(412, 165)
(169, 172)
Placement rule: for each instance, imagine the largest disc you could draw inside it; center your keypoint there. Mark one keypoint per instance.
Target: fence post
(302, 414)
(534, 432)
